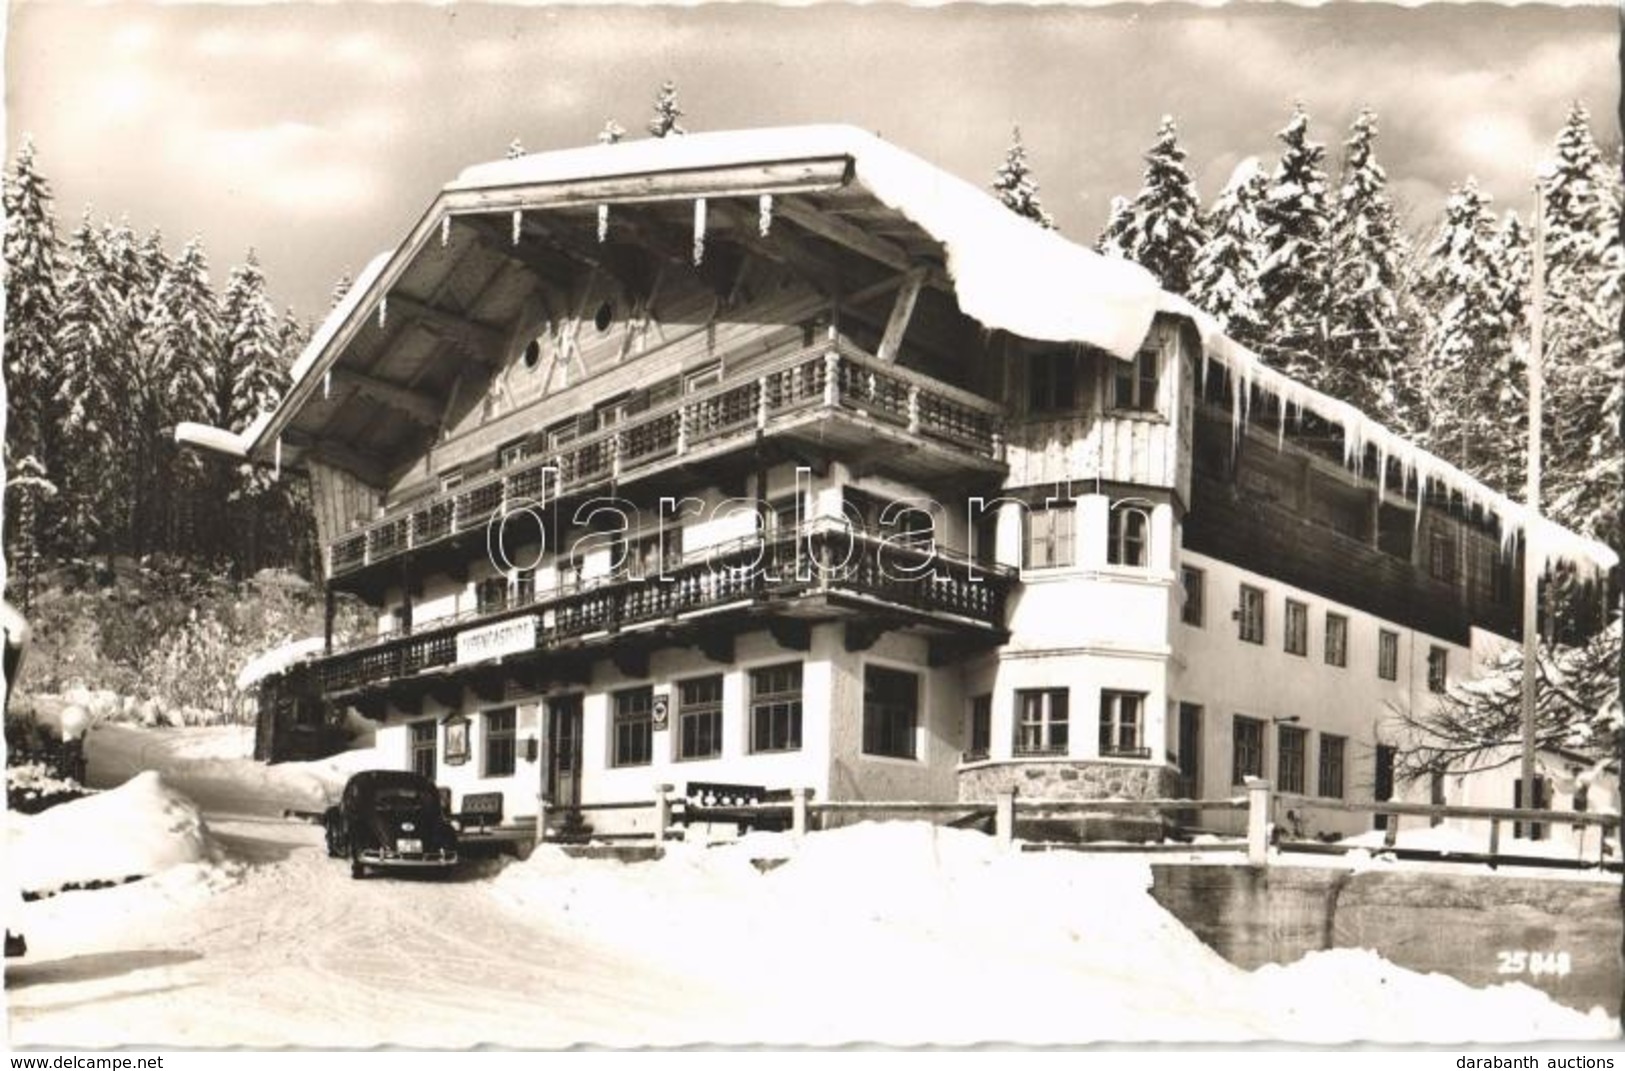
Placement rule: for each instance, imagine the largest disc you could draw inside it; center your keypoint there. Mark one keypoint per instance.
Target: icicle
(603, 223)
(518, 224)
(383, 311)
(764, 213)
(276, 470)
(327, 384)
(445, 231)
(1382, 473)
(699, 231)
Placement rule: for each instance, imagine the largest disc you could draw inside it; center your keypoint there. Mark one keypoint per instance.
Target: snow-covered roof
(277, 659)
(1008, 273)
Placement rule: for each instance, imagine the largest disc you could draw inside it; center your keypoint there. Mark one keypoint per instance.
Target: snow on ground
(139, 829)
(899, 933)
(1455, 840)
(989, 946)
(213, 765)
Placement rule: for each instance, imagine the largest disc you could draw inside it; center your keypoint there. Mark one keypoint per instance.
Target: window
(563, 433)
(422, 748)
(1052, 382)
(648, 555)
(523, 588)
(1337, 640)
(1134, 383)
(499, 743)
(985, 536)
(981, 728)
(891, 708)
(633, 736)
(491, 594)
(1542, 801)
(1438, 668)
(775, 708)
(1388, 655)
(1297, 627)
(513, 453)
(1503, 578)
(699, 718)
(1292, 745)
(609, 414)
(403, 617)
(1049, 537)
(1332, 749)
(702, 379)
(1126, 542)
(1041, 728)
(1247, 749)
(1121, 723)
(1194, 612)
(1442, 556)
(1251, 614)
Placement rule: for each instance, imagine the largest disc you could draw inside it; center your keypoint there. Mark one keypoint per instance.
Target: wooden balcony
(821, 571)
(831, 394)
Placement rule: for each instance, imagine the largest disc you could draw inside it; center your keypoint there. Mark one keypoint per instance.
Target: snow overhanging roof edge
(1008, 273)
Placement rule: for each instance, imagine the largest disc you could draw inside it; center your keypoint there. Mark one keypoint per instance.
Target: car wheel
(357, 871)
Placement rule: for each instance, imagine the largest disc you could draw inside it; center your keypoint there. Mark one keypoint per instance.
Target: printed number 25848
(1534, 963)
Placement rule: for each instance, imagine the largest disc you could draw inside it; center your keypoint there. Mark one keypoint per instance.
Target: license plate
(409, 846)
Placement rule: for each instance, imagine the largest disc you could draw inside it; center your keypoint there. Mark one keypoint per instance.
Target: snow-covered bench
(716, 801)
(481, 811)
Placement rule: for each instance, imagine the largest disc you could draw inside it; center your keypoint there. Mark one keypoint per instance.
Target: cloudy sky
(316, 134)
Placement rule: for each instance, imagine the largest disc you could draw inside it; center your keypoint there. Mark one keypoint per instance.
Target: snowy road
(899, 933)
(298, 953)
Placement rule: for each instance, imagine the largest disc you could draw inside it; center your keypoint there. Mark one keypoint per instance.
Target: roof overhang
(1007, 273)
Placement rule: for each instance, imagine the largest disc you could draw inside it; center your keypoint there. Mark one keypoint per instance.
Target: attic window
(533, 354)
(602, 318)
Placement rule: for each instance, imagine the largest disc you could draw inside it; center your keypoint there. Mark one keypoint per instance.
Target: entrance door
(1190, 762)
(1384, 787)
(564, 751)
(1190, 750)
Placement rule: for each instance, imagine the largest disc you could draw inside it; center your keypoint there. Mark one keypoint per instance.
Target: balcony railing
(818, 559)
(832, 377)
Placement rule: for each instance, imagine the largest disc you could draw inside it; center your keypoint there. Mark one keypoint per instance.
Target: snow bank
(989, 945)
(213, 765)
(142, 828)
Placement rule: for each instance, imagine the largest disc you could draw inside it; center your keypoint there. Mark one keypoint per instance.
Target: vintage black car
(390, 820)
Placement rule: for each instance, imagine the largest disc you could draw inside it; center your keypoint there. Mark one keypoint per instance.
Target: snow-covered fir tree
(340, 289)
(1296, 220)
(249, 378)
(1168, 226)
(664, 122)
(1121, 233)
(1472, 365)
(35, 446)
(1368, 335)
(1224, 280)
(31, 254)
(1014, 184)
(612, 133)
(1583, 363)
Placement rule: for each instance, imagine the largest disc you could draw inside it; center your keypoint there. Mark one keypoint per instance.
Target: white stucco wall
(1216, 670)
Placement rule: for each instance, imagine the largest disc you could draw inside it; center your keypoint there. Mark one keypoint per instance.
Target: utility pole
(1532, 561)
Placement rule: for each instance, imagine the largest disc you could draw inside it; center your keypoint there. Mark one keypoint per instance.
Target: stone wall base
(1069, 779)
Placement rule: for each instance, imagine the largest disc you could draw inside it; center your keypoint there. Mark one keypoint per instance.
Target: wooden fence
(1006, 810)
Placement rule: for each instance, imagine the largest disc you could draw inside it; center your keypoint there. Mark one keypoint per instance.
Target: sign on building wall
(493, 641)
